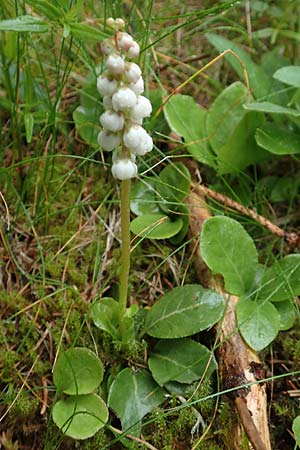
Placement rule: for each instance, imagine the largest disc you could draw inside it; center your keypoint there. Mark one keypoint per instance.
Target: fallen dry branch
(239, 365)
(293, 239)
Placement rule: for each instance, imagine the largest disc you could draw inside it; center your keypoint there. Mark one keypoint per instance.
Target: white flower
(115, 64)
(107, 46)
(142, 109)
(124, 98)
(106, 86)
(108, 141)
(133, 136)
(107, 103)
(124, 169)
(137, 140)
(132, 72)
(124, 41)
(138, 87)
(145, 146)
(120, 23)
(134, 50)
(112, 121)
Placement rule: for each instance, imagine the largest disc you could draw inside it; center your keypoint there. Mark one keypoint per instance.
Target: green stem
(125, 238)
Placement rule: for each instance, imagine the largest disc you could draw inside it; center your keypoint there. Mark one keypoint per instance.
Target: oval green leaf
(282, 280)
(183, 312)
(259, 322)
(173, 184)
(80, 416)
(106, 315)
(143, 198)
(182, 360)
(287, 314)
(133, 395)
(155, 226)
(296, 429)
(228, 249)
(289, 75)
(279, 141)
(271, 108)
(77, 371)
(187, 119)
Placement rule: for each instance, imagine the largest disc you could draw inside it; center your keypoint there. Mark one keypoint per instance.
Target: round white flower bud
(124, 41)
(132, 72)
(124, 98)
(115, 64)
(106, 86)
(134, 50)
(120, 23)
(107, 46)
(142, 109)
(145, 145)
(138, 87)
(110, 21)
(124, 169)
(112, 121)
(133, 136)
(107, 103)
(108, 141)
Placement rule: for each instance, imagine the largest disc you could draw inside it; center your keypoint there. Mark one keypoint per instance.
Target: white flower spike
(121, 86)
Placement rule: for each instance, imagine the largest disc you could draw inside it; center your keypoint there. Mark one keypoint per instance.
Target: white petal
(112, 121)
(108, 141)
(124, 169)
(124, 98)
(134, 50)
(138, 87)
(115, 64)
(142, 109)
(132, 72)
(106, 86)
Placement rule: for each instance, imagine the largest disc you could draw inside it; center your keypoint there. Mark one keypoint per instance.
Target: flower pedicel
(121, 86)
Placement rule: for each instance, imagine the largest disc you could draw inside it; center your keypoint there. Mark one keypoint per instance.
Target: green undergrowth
(60, 230)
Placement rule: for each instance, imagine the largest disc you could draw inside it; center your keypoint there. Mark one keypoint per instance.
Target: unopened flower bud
(124, 98)
(110, 21)
(124, 169)
(134, 50)
(124, 41)
(138, 87)
(132, 72)
(106, 86)
(142, 109)
(108, 141)
(107, 46)
(120, 23)
(115, 64)
(112, 121)
(133, 136)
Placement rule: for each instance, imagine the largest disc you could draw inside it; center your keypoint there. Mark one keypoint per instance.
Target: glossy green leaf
(106, 315)
(184, 311)
(225, 114)
(228, 249)
(282, 280)
(259, 322)
(182, 360)
(260, 83)
(86, 32)
(173, 184)
(24, 24)
(143, 198)
(271, 108)
(132, 395)
(296, 429)
(80, 416)
(279, 141)
(77, 371)
(87, 125)
(155, 226)
(187, 120)
(28, 122)
(287, 314)
(289, 75)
